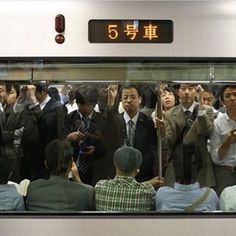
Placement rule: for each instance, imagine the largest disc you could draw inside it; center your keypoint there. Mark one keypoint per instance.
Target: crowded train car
(117, 114)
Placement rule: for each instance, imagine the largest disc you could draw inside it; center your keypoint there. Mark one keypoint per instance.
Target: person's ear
(140, 100)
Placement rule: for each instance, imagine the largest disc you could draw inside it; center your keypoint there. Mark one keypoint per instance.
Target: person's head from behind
(148, 97)
(127, 161)
(86, 97)
(59, 157)
(187, 162)
(54, 93)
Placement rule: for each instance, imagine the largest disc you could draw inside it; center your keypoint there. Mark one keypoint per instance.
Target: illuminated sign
(130, 31)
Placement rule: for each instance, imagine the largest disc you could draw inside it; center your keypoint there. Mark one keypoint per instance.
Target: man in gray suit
(188, 122)
(58, 193)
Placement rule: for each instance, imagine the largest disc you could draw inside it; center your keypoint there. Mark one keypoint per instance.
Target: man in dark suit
(83, 129)
(138, 130)
(51, 117)
(48, 115)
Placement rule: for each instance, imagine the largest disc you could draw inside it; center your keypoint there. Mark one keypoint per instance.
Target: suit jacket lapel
(139, 128)
(179, 118)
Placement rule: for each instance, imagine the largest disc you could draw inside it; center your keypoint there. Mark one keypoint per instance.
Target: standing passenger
(137, 130)
(83, 129)
(223, 141)
(188, 122)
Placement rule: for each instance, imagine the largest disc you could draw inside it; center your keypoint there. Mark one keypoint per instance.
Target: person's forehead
(129, 91)
(187, 85)
(230, 90)
(207, 94)
(166, 92)
(2, 86)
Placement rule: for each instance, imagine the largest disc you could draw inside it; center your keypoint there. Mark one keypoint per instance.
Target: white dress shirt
(127, 118)
(44, 102)
(222, 126)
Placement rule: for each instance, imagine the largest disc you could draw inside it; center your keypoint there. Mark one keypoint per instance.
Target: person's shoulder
(221, 116)
(173, 110)
(144, 118)
(231, 190)
(101, 183)
(164, 190)
(146, 187)
(85, 186)
(79, 185)
(212, 193)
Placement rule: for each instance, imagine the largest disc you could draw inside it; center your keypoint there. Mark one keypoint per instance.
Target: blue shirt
(10, 199)
(182, 196)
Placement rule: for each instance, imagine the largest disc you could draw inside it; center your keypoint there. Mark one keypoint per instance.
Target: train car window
(117, 137)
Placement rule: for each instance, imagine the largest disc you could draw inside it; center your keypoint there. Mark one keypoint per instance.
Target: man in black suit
(49, 116)
(83, 129)
(138, 130)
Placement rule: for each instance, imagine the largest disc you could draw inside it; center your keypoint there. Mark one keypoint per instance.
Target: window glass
(129, 137)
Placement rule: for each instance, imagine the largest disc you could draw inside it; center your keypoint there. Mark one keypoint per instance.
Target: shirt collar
(119, 177)
(44, 102)
(186, 187)
(190, 108)
(1, 107)
(127, 118)
(89, 116)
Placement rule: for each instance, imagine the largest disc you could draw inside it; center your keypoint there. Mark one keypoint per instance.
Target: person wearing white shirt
(223, 141)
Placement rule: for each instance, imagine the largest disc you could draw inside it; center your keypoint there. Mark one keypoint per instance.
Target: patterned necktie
(187, 114)
(85, 122)
(189, 122)
(82, 161)
(131, 132)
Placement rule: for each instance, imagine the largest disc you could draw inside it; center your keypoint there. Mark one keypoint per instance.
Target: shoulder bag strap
(199, 202)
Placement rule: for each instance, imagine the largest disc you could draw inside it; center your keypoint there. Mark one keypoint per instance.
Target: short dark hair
(41, 86)
(58, 156)
(187, 162)
(15, 86)
(127, 158)
(223, 88)
(131, 86)
(54, 93)
(86, 94)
